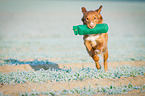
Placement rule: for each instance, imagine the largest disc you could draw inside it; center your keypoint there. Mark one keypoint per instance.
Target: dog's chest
(93, 38)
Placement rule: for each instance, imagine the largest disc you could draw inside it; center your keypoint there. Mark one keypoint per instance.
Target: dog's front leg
(92, 53)
(89, 47)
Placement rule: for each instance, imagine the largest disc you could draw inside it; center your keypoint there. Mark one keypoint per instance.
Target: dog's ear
(84, 10)
(99, 10)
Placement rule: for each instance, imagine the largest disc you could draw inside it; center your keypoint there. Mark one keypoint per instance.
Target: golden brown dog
(95, 43)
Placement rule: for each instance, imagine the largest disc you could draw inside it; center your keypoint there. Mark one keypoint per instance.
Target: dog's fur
(95, 43)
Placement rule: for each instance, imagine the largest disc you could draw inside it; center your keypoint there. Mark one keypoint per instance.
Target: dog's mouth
(91, 27)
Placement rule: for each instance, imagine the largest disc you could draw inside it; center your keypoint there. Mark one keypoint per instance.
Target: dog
(95, 43)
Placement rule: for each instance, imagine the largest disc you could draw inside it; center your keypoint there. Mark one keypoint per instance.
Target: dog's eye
(94, 17)
(87, 18)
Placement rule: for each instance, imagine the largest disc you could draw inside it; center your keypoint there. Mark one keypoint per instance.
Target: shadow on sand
(35, 64)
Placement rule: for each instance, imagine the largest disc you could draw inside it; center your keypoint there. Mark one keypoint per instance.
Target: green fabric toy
(84, 30)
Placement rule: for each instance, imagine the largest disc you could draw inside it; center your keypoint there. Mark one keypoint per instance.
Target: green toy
(84, 30)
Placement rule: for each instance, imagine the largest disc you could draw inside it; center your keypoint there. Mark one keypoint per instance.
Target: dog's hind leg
(105, 55)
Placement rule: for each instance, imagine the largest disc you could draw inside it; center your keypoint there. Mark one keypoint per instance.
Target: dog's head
(91, 18)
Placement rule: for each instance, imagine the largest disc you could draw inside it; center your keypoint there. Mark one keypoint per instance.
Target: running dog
(95, 43)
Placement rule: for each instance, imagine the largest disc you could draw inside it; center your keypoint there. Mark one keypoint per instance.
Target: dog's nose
(91, 25)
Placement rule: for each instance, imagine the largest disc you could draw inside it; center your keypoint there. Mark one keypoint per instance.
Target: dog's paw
(98, 51)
